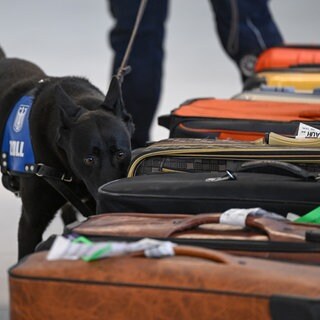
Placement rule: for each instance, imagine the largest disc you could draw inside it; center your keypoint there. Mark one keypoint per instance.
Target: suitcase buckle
(229, 176)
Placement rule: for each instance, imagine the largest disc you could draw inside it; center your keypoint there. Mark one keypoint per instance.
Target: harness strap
(69, 195)
(58, 180)
(42, 170)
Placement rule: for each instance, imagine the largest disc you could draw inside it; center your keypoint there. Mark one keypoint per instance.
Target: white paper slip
(306, 131)
(67, 249)
(237, 217)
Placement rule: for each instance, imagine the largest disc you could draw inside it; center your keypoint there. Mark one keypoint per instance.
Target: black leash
(124, 68)
(114, 99)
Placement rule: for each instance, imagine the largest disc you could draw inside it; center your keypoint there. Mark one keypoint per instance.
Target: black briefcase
(274, 186)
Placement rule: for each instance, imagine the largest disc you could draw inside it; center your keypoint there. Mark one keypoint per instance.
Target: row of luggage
(233, 188)
(288, 66)
(277, 99)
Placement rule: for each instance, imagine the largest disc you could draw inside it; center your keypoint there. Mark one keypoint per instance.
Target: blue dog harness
(17, 152)
(17, 156)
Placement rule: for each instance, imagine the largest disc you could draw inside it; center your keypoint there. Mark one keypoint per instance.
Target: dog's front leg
(39, 204)
(29, 233)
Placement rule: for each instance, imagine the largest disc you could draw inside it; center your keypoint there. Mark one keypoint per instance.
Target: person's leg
(245, 28)
(142, 87)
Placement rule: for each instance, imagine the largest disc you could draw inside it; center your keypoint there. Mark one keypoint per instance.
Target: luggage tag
(311, 217)
(237, 217)
(82, 248)
(275, 139)
(306, 131)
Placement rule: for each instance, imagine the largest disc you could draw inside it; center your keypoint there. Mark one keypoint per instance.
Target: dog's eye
(89, 161)
(120, 155)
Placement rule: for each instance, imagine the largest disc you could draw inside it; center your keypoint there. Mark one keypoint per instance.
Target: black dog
(73, 130)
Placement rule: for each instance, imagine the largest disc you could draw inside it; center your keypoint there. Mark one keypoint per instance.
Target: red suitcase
(194, 284)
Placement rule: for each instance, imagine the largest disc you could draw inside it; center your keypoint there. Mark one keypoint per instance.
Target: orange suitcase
(238, 119)
(288, 56)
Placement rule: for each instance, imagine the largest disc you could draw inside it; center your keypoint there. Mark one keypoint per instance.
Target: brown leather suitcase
(264, 235)
(195, 283)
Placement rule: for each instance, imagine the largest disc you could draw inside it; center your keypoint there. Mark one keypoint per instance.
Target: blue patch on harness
(17, 149)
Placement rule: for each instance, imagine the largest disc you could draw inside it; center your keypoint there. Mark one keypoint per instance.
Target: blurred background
(71, 38)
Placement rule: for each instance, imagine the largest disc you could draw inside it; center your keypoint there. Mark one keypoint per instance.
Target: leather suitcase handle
(212, 255)
(274, 228)
(196, 252)
(207, 254)
(198, 220)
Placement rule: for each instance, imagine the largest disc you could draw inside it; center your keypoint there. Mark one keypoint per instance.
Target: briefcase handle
(277, 167)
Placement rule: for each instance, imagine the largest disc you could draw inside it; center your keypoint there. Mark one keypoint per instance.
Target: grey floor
(69, 38)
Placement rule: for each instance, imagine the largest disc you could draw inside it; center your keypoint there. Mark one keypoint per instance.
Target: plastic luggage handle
(276, 167)
(253, 83)
(164, 121)
(305, 66)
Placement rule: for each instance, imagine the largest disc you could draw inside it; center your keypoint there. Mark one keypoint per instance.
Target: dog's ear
(114, 103)
(127, 118)
(69, 111)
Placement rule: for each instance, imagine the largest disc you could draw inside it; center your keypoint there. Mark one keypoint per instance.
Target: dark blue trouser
(245, 29)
